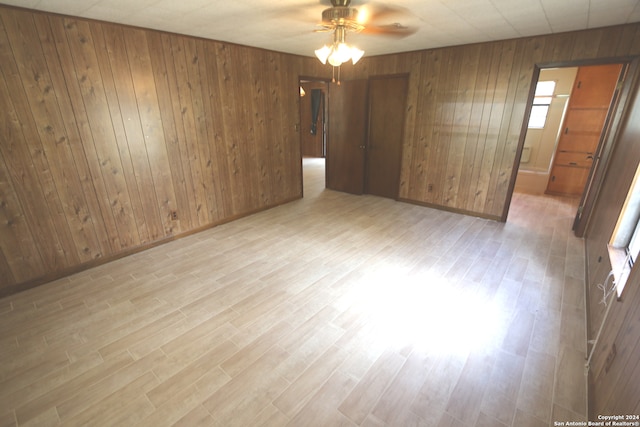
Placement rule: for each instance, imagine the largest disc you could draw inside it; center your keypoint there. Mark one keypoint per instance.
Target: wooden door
(346, 136)
(387, 104)
(582, 128)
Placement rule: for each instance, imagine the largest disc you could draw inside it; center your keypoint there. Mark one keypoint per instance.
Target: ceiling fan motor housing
(341, 15)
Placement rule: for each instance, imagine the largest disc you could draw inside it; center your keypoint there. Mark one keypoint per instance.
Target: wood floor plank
(235, 403)
(330, 310)
(177, 360)
(184, 403)
(195, 418)
(183, 379)
(367, 392)
(435, 392)
(291, 400)
(270, 416)
(321, 408)
(569, 392)
(536, 393)
(466, 397)
(395, 403)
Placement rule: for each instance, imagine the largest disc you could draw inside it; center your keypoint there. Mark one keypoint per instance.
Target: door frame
(605, 148)
(631, 68)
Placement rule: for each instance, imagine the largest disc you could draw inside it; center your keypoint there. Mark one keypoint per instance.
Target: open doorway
(313, 118)
(567, 129)
(548, 108)
(313, 132)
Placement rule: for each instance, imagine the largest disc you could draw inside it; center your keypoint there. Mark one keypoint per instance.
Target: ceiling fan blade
(372, 13)
(392, 30)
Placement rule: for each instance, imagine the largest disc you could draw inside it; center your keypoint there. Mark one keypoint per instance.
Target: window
(624, 246)
(541, 101)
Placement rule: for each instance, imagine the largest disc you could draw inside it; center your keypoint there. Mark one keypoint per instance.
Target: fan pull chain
(333, 75)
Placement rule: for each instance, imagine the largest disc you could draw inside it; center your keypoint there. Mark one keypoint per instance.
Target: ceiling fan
(341, 18)
(367, 19)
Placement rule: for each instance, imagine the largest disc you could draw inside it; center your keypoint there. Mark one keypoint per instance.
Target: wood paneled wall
(115, 138)
(466, 111)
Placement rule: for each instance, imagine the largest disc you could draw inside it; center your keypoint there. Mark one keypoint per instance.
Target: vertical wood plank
(170, 133)
(191, 214)
(285, 140)
(198, 121)
(246, 145)
(443, 126)
(258, 105)
(210, 125)
(215, 129)
(409, 129)
(185, 115)
(231, 140)
(425, 146)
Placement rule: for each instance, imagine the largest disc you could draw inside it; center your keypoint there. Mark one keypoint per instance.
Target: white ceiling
(287, 25)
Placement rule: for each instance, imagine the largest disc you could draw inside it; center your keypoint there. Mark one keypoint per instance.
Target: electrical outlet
(174, 215)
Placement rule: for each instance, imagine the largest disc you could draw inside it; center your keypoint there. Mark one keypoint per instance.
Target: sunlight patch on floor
(427, 313)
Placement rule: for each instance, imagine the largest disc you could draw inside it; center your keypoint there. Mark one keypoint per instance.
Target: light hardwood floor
(334, 310)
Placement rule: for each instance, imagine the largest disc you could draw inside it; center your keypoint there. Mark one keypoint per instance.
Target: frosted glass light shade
(323, 53)
(356, 54)
(338, 54)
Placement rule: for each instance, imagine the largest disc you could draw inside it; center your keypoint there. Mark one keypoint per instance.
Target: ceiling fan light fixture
(338, 54)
